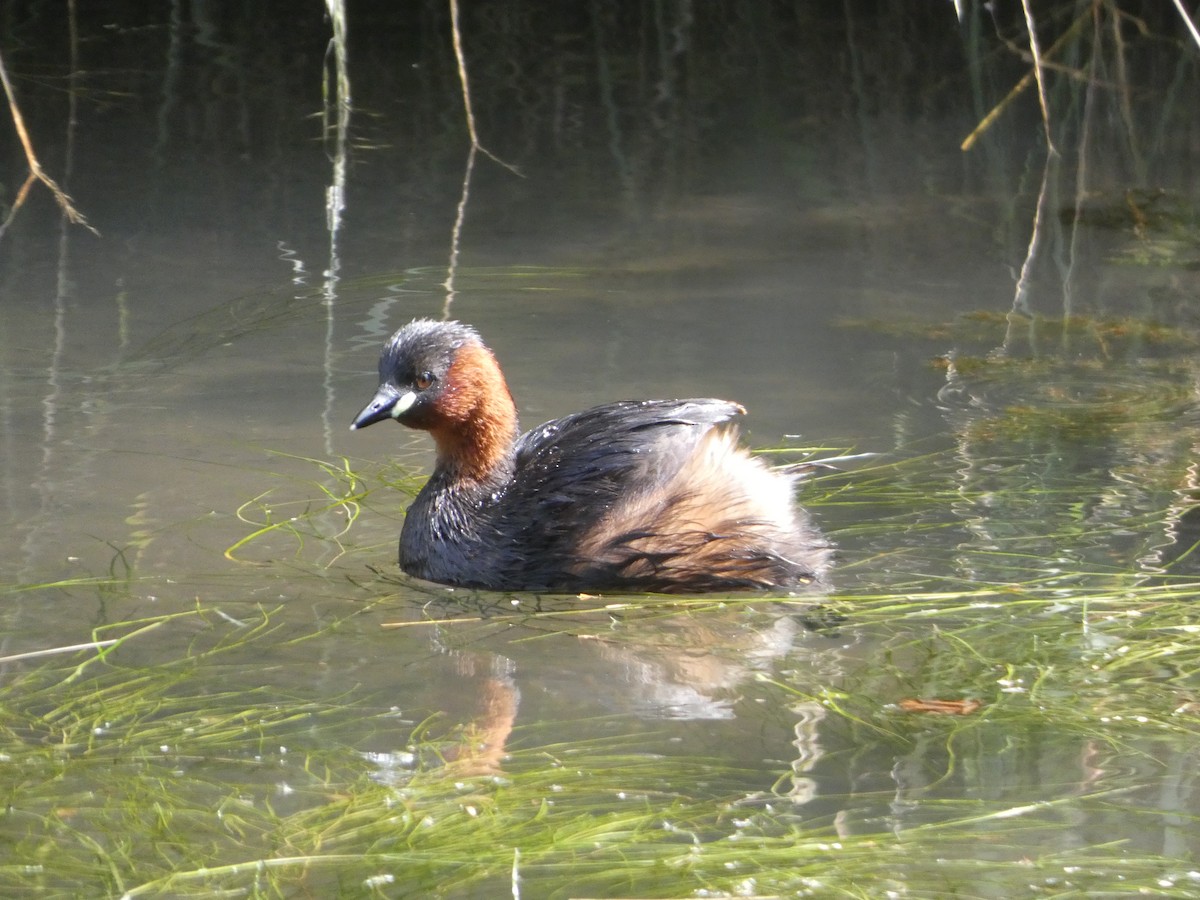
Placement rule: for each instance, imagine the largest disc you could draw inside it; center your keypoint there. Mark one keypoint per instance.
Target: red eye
(424, 380)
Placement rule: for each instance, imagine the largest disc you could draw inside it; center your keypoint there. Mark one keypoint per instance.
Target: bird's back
(650, 495)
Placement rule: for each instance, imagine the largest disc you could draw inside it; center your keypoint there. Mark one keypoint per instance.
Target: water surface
(175, 395)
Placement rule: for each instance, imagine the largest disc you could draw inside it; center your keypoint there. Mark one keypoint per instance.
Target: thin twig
(1020, 307)
(476, 147)
(1081, 176)
(456, 234)
(1125, 94)
(22, 193)
(1031, 27)
(35, 168)
(466, 92)
(1187, 19)
(1026, 80)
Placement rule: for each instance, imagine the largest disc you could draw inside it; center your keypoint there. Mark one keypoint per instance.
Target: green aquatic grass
(142, 780)
(980, 569)
(324, 520)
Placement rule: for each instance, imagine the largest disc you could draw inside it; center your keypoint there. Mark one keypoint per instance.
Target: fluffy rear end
(724, 521)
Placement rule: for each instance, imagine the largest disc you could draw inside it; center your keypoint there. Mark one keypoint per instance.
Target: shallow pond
(1000, 695)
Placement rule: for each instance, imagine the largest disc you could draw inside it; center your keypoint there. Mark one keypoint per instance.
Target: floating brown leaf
(941, 707)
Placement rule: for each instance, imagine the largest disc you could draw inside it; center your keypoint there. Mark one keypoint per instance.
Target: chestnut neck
(476, 425)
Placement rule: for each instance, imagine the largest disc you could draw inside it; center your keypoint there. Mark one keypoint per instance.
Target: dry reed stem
(1187, 19)
(994, 114)
(1031, 27)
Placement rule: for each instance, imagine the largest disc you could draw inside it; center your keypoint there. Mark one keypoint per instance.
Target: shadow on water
(213, 677)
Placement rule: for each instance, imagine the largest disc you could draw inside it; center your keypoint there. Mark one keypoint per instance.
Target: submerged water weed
(605, 820)
(322, 521)
(137, 780)
(1055, 682)
(1040, 582)
(95, 754)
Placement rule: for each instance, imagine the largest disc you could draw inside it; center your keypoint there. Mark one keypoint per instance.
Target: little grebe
(650, 495)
